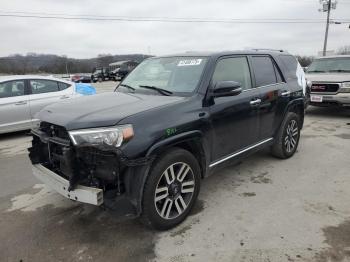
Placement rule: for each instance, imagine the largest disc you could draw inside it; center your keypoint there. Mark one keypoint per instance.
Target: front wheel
(171, 189)
(287, 138)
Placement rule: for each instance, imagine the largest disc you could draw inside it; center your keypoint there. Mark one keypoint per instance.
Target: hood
(105, 109)
(328, 77)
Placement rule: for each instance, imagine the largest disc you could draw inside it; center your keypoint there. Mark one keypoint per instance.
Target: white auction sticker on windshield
(189, 62)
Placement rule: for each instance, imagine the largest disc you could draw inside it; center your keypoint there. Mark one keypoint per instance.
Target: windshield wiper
(340, 70)
(127, 86)
(158, 89)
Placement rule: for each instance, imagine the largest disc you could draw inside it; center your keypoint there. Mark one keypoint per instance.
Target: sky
(86, 39)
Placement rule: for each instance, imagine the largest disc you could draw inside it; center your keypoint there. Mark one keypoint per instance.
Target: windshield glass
(174, 74)
(330, 65)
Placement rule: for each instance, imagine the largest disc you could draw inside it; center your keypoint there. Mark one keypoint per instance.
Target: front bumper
(87, 174)
(342, 99)
(83, 194)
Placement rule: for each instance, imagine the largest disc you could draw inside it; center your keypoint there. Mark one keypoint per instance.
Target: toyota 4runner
(171, 122)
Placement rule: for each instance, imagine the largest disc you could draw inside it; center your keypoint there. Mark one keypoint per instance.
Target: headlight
(110, 136)
(345, 87)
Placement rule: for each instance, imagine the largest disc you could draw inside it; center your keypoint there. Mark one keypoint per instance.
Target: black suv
(172, 121)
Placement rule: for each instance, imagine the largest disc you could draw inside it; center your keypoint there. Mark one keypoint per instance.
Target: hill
(47, 63)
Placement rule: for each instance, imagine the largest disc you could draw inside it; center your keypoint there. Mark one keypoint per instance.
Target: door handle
(64, 97)
(285, 93)
(21, 103)
(255, 102)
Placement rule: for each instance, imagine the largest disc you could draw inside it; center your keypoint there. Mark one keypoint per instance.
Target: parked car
(119, 70)
(21, 97)
(81, 79)
(330, 81)
(171, 122)
(100, 74)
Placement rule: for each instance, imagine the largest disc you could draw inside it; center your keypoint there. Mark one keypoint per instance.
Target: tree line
(33, 63)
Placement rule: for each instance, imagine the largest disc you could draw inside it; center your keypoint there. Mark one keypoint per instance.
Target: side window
(40, 86)
(62, 86)
(290, 63)
(263, 70)
(233, 69)
(12, 88)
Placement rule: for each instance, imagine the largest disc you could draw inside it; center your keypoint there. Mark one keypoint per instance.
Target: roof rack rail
(268, 49)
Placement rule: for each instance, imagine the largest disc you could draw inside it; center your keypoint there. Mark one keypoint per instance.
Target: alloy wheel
(174, 190)
(291, 138)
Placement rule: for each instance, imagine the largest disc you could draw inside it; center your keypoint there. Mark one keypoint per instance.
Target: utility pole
(327, 27)
(327, 5)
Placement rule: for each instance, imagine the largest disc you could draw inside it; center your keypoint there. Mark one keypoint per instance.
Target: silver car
(329, 81)
(21, 97)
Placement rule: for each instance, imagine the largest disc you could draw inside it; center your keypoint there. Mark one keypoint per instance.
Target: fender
(135, 177)
(174, 140)
(295, 103)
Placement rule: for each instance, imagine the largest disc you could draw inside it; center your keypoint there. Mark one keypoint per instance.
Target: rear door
(234, 118)
(273, 90)
(46, 92)
(14, 106)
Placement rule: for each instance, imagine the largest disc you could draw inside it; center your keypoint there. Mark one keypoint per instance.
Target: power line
(144, 17)
(172, 20)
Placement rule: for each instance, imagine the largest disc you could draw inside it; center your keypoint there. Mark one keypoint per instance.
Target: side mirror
(226, 88)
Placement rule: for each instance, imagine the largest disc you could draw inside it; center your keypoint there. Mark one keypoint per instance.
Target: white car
(21, 97)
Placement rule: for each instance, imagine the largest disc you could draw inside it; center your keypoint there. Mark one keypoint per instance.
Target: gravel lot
(261, 210)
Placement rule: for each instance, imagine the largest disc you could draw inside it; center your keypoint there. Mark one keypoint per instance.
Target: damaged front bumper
(89, 195)
(90, 175)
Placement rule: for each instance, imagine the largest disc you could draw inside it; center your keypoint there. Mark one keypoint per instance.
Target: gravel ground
(264, 209)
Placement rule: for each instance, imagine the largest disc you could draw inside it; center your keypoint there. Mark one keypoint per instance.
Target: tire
(176, 194)
(287, 138)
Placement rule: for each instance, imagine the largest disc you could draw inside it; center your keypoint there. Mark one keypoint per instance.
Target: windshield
(330, 65)
(174, 74)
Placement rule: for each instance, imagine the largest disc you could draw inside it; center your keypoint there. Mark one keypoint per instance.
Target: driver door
(234, 119)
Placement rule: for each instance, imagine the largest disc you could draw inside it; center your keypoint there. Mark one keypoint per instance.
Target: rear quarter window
(62, 86)
(290, 65)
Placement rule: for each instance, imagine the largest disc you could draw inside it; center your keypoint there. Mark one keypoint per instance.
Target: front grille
(325, 87)
(52, 130)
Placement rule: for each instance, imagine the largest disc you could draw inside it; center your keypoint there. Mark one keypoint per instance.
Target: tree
(104, 59)
(344, 50)
(305, 61)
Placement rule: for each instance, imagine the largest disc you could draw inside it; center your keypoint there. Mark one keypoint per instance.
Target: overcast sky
(84, 39)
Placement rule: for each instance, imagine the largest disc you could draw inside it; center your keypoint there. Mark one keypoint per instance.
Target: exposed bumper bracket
(83, 194)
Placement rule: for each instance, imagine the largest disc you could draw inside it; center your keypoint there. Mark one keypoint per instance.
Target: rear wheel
(287, 139)
(171, 189)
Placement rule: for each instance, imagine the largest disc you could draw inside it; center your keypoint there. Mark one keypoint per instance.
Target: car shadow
(14, 135)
